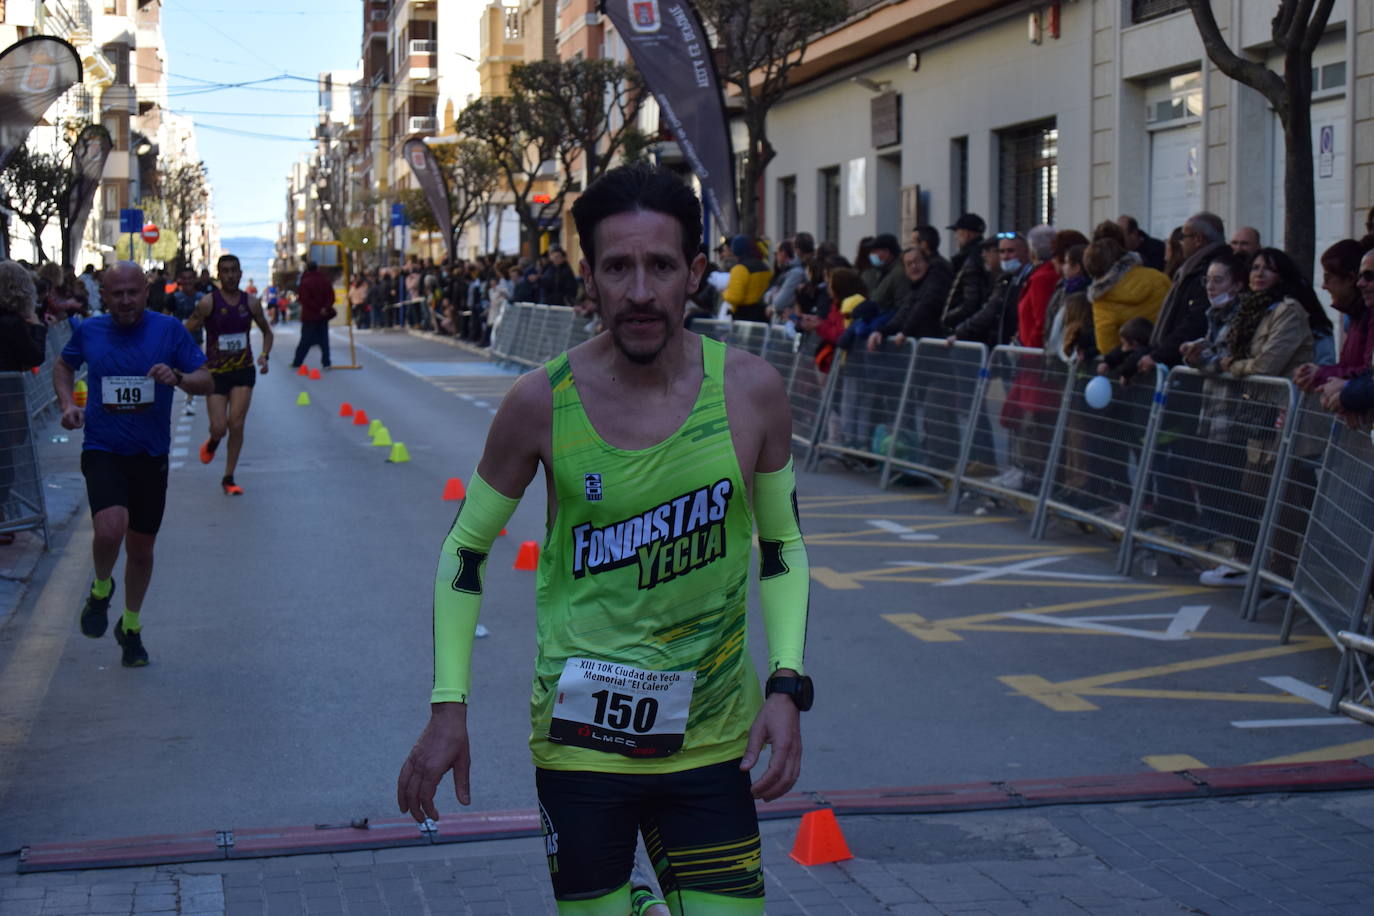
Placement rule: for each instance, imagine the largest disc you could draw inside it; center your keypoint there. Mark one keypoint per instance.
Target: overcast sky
(249, 136)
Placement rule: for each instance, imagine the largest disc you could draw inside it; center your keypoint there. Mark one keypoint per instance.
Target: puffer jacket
(970, 288)
(1128, 290)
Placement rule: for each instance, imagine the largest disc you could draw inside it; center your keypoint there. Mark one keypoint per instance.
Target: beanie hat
(742, 246)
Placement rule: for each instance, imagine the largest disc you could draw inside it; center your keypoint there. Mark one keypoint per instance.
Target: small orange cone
(454, 489)
(303, 370)
(315, 375)
(819, 840)
(360, 418)
(345, 409)
(528, 557)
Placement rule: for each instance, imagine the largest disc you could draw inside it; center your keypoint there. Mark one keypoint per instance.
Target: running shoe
(1224, 576)
(643, 902)
(207, 451)
(231, 488)
(95, 616)
(135, 656)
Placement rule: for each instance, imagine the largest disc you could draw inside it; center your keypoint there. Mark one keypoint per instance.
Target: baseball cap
(970, 221)
(889, 241)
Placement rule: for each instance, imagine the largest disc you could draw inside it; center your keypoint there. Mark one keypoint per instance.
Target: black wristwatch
(799, 689)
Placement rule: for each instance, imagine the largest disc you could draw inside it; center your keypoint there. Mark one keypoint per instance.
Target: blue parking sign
(130, 220)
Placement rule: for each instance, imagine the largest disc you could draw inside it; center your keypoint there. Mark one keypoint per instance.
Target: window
(1174, 98)
(787, 207)
(1143, 10)
(830, 204)
(958, 177)
(1028, 175)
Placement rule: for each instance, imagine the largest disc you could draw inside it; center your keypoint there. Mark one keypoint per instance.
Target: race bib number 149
(607, 706)
(127, 393)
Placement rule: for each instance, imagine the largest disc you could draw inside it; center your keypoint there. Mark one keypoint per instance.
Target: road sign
(130, 220)
(149, 232)
(398, 215)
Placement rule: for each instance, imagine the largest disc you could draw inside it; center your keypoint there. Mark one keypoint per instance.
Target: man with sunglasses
(995, 322)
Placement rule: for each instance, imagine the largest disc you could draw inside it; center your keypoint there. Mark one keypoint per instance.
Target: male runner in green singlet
(228, 315)
(662, 450)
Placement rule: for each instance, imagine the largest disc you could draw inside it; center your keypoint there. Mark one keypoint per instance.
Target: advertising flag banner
(434, 183)
(34, 72)
(670, 50)
(92, 148)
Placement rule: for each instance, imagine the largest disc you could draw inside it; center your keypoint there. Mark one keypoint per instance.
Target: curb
(264, 842)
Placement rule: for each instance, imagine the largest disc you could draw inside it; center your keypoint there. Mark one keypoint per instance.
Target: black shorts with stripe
(700, 829)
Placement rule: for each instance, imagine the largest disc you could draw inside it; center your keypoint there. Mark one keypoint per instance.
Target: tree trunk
(1300, 203)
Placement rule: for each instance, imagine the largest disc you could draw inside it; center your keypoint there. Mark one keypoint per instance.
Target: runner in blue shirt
(134, 359)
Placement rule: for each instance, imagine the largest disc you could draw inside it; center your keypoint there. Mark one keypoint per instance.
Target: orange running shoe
(207, 451)
(231, 488)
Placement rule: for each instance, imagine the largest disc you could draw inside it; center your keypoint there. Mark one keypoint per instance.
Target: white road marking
(176, 464)
(1181, 623)
(180, 452)
(1024, 568)
(180, 439)
(902, 531)
(1314, 695)
(481, 404)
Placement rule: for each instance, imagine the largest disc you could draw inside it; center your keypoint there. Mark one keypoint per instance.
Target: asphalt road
(290, 635)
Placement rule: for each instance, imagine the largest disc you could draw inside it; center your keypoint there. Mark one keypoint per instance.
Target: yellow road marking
(1076, 631)
(24, 680)
(1068, 696)
(943, 630)
(895, 516)
(1168, 763)
(885, 499)
(1334, 752)
(834, 580)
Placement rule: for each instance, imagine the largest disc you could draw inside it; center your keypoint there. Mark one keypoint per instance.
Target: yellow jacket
(1127, 291)
(749, 280)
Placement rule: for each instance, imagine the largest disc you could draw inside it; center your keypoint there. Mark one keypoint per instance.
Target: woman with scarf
(1271, 334)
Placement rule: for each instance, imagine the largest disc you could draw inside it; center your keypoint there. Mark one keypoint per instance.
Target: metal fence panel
(1099, 470)
(21, 483)
(928, 436)
(1015, 425)
(1216, 446)
(748, 335)
(809, 392)
(38, 391)
(1331, 578)
(871, 387)
(715, 328)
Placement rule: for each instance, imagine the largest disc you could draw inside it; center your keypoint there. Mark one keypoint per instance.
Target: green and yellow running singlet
(643, 587)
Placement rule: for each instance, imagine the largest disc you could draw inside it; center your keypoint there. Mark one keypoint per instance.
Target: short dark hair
(1343, 257)
(630, 188)
(1137, 330)
(1236, 265)
(1065, 239)
(1132, 225)
(930, 236)
(227, 257)
(805, 242)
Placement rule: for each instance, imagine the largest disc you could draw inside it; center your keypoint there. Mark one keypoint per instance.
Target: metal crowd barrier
(38, 391)
(21, 481)
(866, 398)
(1015, 429)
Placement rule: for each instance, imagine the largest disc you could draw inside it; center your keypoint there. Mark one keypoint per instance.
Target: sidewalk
(1293, 853)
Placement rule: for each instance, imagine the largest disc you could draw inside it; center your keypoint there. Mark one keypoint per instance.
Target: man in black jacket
(1183, 317)
(971, 286)
(558, 284)
(1151, 250)
(995, 322)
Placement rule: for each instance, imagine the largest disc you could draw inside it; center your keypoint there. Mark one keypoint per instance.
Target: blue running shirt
(110, 350)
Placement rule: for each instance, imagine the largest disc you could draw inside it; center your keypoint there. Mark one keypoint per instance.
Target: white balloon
(1098, 394)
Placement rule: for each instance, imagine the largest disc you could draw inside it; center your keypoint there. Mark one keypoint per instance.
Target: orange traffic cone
(819, 840)
(345, 409)
(360, 418)
(454, 489)
(303, 370)
(315, 375)
(528, 557)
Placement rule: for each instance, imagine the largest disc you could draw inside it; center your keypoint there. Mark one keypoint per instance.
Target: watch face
(805, 695)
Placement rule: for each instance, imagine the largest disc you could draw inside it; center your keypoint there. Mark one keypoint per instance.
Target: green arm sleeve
(784, 575)
(458, 587)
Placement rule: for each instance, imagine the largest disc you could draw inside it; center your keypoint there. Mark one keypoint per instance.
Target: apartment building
(1068, 113)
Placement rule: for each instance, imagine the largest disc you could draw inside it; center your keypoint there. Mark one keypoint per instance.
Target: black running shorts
(136, 482)
(246, 377)
(699, 826)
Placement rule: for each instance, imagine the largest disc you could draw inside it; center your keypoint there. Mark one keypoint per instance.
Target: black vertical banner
(670, 50)
(34, 72)
(435, 185)
(88, 164)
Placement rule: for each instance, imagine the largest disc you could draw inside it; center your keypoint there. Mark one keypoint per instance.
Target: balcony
(422, 124)
(421, 61)
(423, 46)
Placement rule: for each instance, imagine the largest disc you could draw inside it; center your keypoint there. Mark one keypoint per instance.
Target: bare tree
(34, 185)
(559, 115)
(1297, 28)
(761, 42)
(184, 192)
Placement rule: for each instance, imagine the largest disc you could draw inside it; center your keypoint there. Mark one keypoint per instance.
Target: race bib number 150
(606, 706)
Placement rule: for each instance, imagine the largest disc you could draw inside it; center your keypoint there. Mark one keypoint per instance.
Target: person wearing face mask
(893, 287)
(995, 322)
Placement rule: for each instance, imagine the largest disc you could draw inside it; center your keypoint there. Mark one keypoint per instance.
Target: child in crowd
(1134, 339)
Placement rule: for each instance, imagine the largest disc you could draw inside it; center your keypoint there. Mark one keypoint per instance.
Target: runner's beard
(642, 357)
